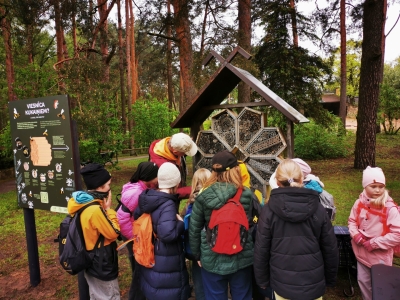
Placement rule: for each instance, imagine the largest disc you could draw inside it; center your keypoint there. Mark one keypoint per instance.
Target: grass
(338, 175)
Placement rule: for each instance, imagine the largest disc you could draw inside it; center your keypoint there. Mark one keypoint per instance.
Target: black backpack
(73, 255)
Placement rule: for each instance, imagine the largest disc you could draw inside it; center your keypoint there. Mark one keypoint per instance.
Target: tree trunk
(121, 66)
(370, 75)
(60, 41)
(244, 41)
(294, 24)
(343, 66)
(103, 28)
(133, 54)
(170, 84)
(133, 74)
(73, 31)
(6, 33)
(128, 53)
(182, 27)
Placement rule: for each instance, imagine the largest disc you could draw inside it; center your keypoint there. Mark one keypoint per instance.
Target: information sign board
(43, 152)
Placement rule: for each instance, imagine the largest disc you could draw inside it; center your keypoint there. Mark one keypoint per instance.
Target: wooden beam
(236, 105)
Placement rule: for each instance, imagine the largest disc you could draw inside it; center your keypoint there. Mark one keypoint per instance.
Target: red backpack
(228, 227)
(383, 217)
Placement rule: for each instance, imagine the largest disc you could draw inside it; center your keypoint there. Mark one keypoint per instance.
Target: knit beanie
(305, 168)
(373, 175)
(168, 176)
(94, 175)
(145, 171)
(226, 159)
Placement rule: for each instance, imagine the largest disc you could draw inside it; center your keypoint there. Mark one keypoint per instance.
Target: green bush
(6, 148)
(152, 120)
(314, 141)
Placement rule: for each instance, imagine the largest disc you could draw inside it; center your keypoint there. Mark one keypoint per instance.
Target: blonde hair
(233, 176)
(381, 200)
(198, 180)
(288, 174)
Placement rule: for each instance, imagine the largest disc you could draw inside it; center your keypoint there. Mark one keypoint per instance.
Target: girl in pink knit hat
(374, 226)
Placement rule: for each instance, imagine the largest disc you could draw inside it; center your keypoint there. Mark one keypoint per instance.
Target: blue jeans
(197, 281)
(216, 286)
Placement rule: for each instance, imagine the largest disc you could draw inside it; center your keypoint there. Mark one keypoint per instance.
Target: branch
(398, 17)
(102, 20)
(163, 36)
(62, 61)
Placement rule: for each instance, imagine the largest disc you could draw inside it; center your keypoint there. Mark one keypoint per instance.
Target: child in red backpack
(374, 226)
(220, 270)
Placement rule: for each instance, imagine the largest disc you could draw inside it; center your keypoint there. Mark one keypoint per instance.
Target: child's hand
(359, 239)
(367, 246)
(179, 217)
(107, 201)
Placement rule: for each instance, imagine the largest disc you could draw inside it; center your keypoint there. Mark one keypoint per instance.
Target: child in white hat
(168, 278)
(374, 226)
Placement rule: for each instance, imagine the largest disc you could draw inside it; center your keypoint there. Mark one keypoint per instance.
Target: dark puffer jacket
(168, 279)
(214, 197)
(296, 249)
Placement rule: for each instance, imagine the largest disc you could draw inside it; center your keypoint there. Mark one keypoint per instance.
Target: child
(296, 249)
(144, 178)
(374, 226)
(218, 270)
(168, 279)
(98, 220)
(198, 180)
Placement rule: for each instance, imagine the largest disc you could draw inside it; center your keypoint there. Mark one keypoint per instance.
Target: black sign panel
(43, 152)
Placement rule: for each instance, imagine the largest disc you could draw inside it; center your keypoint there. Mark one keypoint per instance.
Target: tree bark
(294, 24)
(133, 54)
(6, 33)
(60, 42)
(170, 85)
(128, 53)
(103, 28)
(244, 41)
(370, 75)
(343, 64)
(121, 66)
(182, 27)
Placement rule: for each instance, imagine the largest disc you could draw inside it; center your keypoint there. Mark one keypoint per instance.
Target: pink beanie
(305, 168)
(373, 175)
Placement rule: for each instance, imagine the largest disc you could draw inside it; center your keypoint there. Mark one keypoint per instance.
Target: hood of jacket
(133, 186)
(150, 200)
(293, 204)
(79, 200)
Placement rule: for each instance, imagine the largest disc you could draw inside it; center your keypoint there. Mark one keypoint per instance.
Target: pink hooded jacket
(129, 197)
(371, 226)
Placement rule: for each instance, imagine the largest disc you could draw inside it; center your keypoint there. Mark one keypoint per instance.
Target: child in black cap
(97, 221)
(219, 270)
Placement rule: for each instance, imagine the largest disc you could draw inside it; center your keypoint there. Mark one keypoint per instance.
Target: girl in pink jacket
(374, 226)
(144, 178)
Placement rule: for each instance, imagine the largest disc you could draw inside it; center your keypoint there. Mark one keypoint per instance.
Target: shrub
(314, 141)
(6, 150)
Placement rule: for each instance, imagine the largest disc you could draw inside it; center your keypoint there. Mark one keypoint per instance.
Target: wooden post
(290, 138)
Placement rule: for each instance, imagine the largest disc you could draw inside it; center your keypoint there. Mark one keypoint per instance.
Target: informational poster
(43, 152)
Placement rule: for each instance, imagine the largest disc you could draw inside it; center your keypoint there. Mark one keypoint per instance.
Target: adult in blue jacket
(168, 279)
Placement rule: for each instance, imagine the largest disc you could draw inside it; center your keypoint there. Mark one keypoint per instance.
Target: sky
(392, 49)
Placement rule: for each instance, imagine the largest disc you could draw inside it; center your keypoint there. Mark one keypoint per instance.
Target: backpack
(122, 205)
(143, 247)
(227, 230)
(384, 216)
(73, 255)
(186, 222)
(327, 202)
